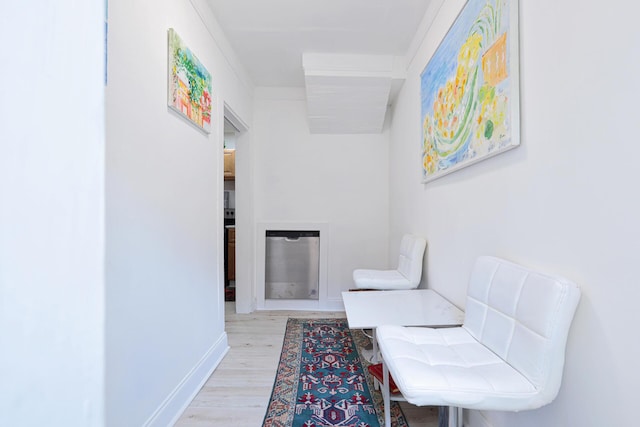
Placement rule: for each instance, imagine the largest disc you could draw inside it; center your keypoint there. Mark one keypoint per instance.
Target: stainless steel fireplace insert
(292, 264)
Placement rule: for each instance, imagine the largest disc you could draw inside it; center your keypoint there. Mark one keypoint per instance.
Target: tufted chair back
(411, 254)
(523, 317)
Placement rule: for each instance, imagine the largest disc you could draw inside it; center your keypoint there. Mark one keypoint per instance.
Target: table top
(417, 307)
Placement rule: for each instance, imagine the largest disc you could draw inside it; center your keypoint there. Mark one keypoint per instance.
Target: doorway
(229, 214)
(239, 257)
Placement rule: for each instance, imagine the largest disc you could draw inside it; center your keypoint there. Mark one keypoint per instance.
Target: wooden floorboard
(238, 391)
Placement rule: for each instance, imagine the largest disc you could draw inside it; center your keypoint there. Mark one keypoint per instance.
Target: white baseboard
(476, 419)
(174, 405)
(304, 305)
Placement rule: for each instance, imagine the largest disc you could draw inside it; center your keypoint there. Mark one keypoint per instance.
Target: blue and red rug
(321, 380)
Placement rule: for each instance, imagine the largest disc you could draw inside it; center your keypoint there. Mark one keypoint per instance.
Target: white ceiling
(270, 36)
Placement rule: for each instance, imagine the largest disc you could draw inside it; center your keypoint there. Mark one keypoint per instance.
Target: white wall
(338, 179)
(51, 214)
(564, 202)
(165, 308)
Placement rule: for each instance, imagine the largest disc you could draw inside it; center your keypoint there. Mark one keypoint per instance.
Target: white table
(418, 307)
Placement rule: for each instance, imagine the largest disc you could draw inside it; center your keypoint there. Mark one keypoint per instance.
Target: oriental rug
(322, 380)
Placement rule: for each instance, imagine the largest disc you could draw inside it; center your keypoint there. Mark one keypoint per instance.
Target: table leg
(374, 341)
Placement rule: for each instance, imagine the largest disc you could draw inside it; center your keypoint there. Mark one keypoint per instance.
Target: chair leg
(386, 397)
(455, 416)
(443, 416)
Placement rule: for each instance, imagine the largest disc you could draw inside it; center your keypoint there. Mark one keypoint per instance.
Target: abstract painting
(189, 84)
(470, 89)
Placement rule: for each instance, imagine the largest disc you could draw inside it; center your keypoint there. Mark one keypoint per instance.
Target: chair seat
(381, 279)
(507, 356)
(448, 367)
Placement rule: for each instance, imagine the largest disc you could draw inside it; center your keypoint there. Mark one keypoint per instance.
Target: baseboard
(476, 419)
(174, 405)
(304, 305)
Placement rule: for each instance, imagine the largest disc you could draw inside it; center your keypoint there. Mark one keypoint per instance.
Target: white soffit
(348, 93)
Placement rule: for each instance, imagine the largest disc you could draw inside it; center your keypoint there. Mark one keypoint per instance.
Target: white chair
(507, 356)
(406, 276)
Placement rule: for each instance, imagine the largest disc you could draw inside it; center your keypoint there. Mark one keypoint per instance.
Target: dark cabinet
(231, 254)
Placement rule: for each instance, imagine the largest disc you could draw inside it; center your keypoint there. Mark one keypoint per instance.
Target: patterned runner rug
(322, 380)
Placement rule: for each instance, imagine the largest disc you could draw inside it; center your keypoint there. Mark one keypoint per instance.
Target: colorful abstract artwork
(189, 84)
(470, 89)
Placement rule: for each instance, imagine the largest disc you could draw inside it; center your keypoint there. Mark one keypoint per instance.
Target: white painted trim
(179, 399)
(235, 119)
(322, 302)
(329, 305)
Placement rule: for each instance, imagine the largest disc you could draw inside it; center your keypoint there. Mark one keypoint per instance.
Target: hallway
(237, 392)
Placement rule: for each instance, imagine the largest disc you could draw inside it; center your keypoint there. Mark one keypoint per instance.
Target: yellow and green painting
(189, 84)
(470, 89)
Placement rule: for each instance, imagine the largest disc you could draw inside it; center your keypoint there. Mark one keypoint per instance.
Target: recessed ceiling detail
(347, 93)
(349, 49)
(269, 37)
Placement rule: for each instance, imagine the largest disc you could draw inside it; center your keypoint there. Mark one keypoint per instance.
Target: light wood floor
(238, 391)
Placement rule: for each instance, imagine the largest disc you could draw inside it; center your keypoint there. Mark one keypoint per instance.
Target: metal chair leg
(443, 416)
(447, 417)
(455, 416)
(386, 396)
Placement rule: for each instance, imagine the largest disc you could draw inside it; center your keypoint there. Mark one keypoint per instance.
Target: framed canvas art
(189, 90)
(470, 89)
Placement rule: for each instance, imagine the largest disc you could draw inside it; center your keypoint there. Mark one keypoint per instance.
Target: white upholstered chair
(507, 356)
(406, 276)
